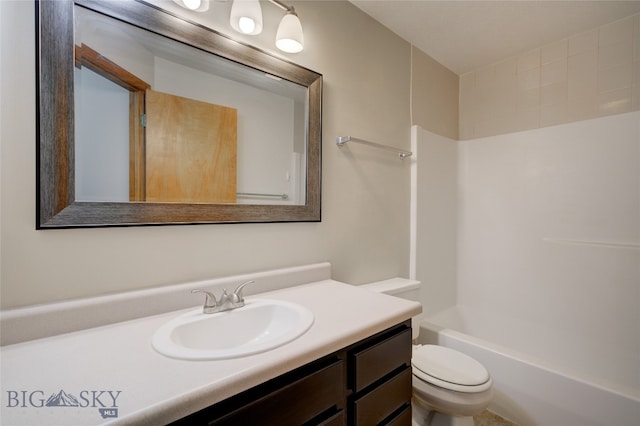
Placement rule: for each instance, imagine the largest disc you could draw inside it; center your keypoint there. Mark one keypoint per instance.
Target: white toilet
(449, 387)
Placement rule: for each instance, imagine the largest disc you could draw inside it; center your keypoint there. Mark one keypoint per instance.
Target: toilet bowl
(448, 383)
(449, 387)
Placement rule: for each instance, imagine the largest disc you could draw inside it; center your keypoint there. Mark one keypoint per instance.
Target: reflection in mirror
(173, 123)
(160, 121)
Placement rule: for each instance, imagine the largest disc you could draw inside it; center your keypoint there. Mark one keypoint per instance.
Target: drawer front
(381, 402)
(295, 403)
(376, 361)
(337, 419)
(401, 419)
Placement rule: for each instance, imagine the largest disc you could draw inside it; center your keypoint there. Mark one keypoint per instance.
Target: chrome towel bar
(341, 140)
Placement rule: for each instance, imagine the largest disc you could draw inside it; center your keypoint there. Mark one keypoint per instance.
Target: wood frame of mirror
(55, 202)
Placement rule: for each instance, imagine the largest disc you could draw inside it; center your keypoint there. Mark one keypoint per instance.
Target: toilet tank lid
(392, 286)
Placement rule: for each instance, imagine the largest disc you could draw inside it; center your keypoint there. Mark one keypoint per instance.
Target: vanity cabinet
(368, 383)
(310, 395)
(379, 378)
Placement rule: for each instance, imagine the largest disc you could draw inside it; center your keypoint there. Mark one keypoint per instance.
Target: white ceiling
(466, 35)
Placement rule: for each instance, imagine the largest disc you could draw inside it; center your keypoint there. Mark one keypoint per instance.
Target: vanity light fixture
(246, 18)
(195, 5)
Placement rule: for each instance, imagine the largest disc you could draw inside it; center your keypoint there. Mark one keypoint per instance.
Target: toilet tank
(403, 288)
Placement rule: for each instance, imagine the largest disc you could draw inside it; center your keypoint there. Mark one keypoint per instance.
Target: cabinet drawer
(337, 419)
(381, 402)
(376, 361)
(401, 419)
(295, 403)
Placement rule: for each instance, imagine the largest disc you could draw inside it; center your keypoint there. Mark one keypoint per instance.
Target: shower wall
(434, 218)
(541, 227)
(533, 219)
(549, 229)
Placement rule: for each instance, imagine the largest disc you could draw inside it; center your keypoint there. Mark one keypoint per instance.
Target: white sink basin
(258, 326)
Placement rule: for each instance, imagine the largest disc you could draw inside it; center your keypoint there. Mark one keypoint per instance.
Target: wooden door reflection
(191, 150)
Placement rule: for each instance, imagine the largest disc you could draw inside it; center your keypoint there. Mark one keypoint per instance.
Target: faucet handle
(210, 302)
(237, 296)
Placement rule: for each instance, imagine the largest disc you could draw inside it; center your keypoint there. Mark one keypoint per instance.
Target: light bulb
(192, 4)
(246, 25)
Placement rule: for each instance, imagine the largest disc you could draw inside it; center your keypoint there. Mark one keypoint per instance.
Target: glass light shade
(246, 16)
(289, 37)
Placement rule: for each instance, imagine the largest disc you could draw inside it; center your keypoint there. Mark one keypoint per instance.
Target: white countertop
(93, 365)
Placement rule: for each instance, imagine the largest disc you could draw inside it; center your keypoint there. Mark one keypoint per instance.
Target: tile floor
(487, 418)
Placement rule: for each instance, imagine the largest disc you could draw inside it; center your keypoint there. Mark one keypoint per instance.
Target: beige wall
(364, 230)
(592, 74)
(434, 100)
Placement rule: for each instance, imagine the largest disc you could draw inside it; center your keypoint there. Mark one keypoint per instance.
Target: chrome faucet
(227, 301)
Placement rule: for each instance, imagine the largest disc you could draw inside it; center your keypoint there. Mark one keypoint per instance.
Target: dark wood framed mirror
(58, 204)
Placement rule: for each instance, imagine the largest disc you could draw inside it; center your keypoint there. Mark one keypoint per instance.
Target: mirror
(109, 75)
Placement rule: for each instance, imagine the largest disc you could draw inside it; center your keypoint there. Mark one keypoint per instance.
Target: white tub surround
(550, 236)
(434, 212)
(115, 366)
(532, 388)
(548, 243)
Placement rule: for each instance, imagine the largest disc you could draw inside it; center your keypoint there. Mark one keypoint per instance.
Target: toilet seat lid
(449, 369)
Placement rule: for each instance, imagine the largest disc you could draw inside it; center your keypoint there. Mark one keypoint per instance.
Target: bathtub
(538, 379)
